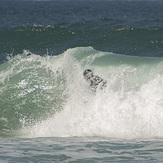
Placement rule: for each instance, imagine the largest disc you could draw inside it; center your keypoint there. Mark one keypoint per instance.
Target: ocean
(48, 112)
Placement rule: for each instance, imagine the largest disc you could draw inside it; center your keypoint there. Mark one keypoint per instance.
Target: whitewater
(48, 112)
(48, 97)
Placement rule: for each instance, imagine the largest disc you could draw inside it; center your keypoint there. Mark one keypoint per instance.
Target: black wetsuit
(95, 81)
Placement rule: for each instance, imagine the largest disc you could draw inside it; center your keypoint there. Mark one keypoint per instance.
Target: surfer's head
(88, 74)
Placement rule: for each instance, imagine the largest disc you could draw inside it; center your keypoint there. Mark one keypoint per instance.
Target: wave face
(47, 96)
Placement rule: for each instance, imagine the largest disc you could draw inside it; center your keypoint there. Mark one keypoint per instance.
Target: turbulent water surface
(48, 113)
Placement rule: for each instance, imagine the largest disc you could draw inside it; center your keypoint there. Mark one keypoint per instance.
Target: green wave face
(34, 89)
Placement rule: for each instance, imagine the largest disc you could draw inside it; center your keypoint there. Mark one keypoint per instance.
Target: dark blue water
(48, 112)
(123, 27)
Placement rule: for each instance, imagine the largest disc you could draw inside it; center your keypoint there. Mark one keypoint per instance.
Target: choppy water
(79, 150)
(48, 112)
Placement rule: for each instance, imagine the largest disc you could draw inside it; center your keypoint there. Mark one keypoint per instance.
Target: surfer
(95, 81)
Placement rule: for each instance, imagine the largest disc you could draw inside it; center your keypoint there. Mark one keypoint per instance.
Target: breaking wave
(48, 97)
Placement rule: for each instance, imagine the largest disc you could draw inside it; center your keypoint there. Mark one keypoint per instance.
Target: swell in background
(130, 28)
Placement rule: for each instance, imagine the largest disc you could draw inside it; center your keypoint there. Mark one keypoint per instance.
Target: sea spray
(130, 106)
(47, 96)
(31, 90)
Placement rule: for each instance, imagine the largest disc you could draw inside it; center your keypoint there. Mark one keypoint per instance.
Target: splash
(130, 106)
(130, 115)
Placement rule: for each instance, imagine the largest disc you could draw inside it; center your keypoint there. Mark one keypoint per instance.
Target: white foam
(128, 108)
